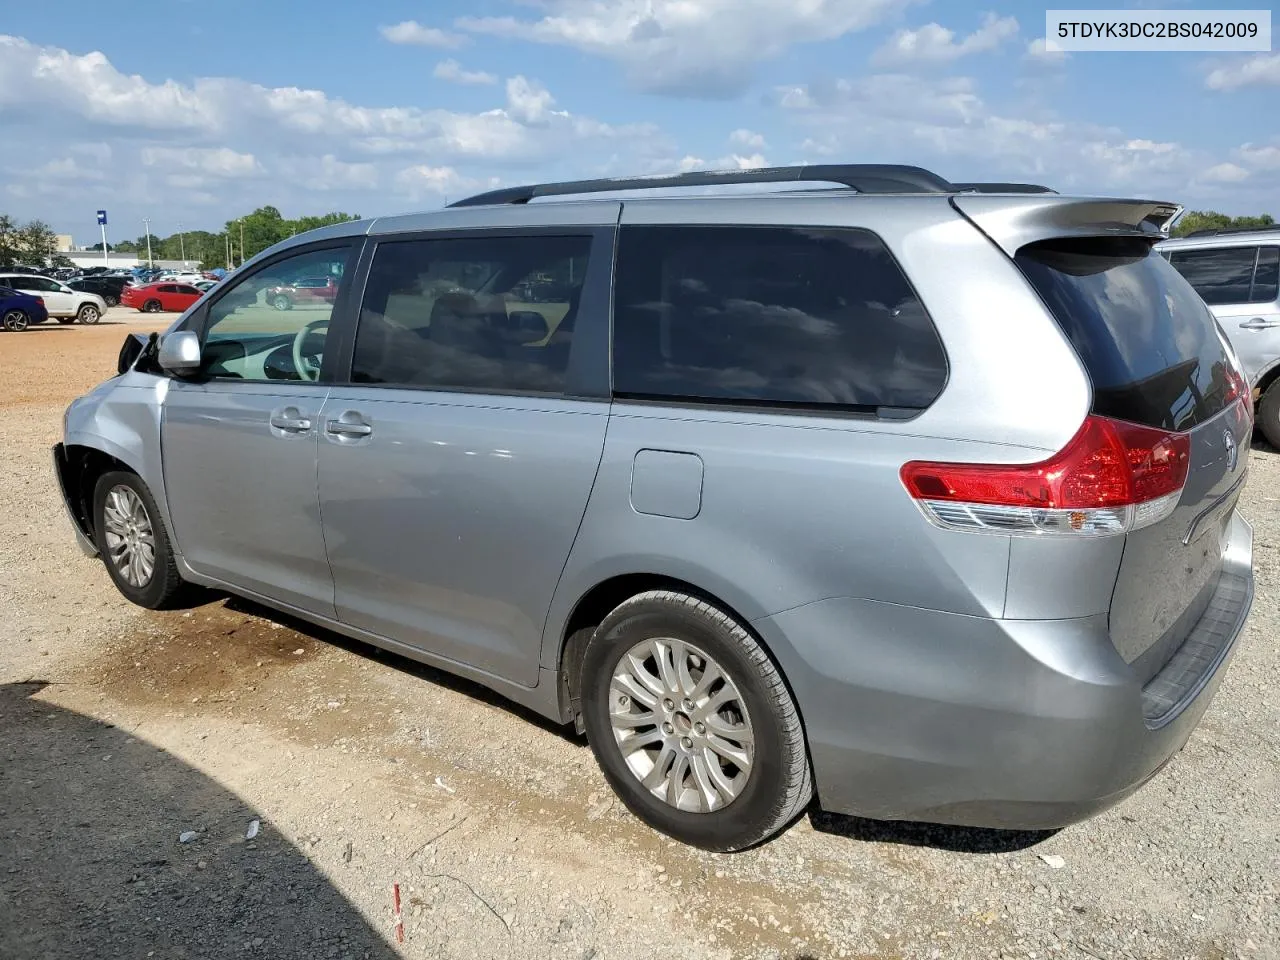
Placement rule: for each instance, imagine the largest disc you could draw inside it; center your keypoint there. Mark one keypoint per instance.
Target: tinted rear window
(770, 315)
(1151, 347)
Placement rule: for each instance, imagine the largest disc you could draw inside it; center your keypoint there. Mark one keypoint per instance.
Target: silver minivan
(1237, 273)
(911, 498)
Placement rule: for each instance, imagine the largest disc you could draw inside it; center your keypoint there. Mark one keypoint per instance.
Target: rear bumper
(915, 714)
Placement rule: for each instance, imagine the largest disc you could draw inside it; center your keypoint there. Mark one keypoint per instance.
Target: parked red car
(317, 290)
(154, 297)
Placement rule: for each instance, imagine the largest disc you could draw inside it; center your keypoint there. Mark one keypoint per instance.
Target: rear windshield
(1151, 347)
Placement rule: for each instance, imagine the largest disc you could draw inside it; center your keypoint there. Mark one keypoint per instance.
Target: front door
(456, 466)
(239, 441)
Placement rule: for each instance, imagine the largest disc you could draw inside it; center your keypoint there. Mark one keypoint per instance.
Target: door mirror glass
(180, 352)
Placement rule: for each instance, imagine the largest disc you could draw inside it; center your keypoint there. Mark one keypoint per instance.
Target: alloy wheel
(681, 724)
(130, 537)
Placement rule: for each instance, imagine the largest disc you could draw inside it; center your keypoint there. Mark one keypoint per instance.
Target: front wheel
(151, 306)
(1268, 413)
(692, 724)
(89, 314)
(282, 302)
(133, 542)
(15, 321)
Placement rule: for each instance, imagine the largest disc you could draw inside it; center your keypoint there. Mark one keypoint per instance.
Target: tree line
(1194, 220)
(240, 239)
(30, 244)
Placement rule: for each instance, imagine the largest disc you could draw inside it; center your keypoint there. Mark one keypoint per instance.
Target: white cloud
(946, 125)
(1226, 173)
(694, 47)
(528, 102)
(1039, 52)
(68, 168)
(217, 161)
(738, 162)
(165, 146)
(747, 138)
(934, 43)
(1259, 157)
(689, 163)
(413, 33)
(1260, 70)
(452, 71)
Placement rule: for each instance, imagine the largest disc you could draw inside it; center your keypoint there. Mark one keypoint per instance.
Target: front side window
(252, 334)
(770, 315)
(478, 313)
(1222, 275)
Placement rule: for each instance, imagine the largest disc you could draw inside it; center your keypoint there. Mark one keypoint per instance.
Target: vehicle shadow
(404, 664)
(937, 835)
(91, 864)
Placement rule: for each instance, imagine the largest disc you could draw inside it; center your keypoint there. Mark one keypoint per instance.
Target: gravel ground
(121, 729)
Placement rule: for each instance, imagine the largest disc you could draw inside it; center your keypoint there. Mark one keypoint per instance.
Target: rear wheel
(15, 321)
(151, 306)
(281, 302)
(692, 724)
(1269, 414)
(89, 314)
(133, 542)
(111, 301)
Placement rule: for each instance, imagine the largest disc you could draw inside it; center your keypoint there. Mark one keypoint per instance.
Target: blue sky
(188, 112)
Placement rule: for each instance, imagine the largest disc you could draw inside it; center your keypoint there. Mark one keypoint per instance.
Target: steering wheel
(307, 368)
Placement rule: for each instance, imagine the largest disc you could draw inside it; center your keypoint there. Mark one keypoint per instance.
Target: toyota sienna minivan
(913, 499)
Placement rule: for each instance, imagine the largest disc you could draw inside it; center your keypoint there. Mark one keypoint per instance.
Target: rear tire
(1268, 412)
(124, 530)
(15, 321)
(151, 306)
(282, 302)
(707, 798)
(111, 301)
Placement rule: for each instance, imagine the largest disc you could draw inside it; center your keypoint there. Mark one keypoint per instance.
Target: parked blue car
(19, 310)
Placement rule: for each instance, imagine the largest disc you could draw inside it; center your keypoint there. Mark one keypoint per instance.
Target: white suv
(63, 303)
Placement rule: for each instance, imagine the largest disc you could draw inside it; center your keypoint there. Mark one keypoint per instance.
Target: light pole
(151, 264)
(102, 223)
(227, 237)
(182, 245)
(242, 242)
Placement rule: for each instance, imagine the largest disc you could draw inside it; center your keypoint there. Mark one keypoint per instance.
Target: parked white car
(63, 303)
(182, 278)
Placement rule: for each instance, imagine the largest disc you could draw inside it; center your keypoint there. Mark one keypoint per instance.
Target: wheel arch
(1267, 377)
(80, 467)
(603, 597)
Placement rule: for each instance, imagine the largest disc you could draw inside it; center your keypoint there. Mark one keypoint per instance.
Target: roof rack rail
(863, 177)
(1002, 188)
(1218, 231)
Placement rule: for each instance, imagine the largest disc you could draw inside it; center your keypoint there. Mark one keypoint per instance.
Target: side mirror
(179, 352)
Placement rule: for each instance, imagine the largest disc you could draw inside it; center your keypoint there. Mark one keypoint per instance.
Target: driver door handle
(1258, 323)
(343, 428)
(291, 424)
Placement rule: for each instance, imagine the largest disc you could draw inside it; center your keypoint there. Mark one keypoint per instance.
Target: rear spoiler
(1014, 221)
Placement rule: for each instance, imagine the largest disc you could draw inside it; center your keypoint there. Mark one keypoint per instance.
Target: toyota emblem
(1233, 454)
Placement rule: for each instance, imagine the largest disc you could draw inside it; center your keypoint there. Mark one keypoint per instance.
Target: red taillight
(1103, 481)
(40, 300)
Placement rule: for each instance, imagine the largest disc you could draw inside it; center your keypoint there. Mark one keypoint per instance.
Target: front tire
(692, 723)
(1269, 414)
(282, 302)
(89, 314)
(133, 542)
(15, 321)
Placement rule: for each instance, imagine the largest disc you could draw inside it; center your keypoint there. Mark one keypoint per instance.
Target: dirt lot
(121, 729)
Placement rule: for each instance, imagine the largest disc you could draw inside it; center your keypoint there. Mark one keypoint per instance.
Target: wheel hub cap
(681, 724)
(131, 545)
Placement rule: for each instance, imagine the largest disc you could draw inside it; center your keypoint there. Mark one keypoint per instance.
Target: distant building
(64, 242)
